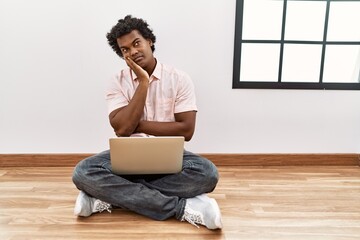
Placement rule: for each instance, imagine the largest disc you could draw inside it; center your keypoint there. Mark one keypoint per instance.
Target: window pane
(262, 19)
(259, 62)
(344, 20)
(342, 64)
(301, 63)
(305, 20)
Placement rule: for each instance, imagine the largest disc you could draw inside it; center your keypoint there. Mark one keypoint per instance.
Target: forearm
(125, 120)
(165, 129)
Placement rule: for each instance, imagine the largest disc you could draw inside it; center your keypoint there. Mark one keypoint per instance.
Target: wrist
(144, 81)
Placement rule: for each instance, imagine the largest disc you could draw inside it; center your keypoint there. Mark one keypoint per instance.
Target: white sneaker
(86, 205)
(202, 210)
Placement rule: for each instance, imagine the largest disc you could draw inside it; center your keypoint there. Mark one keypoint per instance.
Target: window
(297, 44)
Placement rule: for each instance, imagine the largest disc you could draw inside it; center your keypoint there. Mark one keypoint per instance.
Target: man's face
(135, 46)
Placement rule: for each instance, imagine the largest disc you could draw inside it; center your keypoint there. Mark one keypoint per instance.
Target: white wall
(55, 62)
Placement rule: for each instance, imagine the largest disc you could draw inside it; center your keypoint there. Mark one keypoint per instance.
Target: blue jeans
(156, 196)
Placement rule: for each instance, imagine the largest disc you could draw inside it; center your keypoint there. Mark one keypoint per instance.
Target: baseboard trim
(219, 159)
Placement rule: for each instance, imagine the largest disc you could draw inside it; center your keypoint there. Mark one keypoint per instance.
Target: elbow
(187, 139)
(120, 132)
(188, 135)
(122, 128)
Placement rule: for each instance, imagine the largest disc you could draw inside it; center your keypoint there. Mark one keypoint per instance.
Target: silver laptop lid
(146, 155)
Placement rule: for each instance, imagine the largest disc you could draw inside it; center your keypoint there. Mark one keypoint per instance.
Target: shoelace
(192, 217)
(101, 206)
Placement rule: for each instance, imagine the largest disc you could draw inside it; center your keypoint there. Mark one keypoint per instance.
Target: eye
(136, 44)
(124, 50)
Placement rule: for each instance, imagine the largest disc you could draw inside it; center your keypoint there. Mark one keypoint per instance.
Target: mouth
(138, 59)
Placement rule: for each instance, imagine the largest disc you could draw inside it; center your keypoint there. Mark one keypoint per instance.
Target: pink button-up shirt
(170, 91)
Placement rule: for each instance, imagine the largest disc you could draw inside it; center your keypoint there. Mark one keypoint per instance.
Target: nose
(133, 51)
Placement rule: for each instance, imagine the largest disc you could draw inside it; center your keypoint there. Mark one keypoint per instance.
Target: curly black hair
(125, 26)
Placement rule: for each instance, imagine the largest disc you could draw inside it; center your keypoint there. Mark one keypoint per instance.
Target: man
(148, 98)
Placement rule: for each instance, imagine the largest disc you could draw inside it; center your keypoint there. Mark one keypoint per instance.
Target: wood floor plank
(294, 202)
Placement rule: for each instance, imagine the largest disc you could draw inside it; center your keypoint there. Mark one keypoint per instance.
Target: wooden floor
(256, 203)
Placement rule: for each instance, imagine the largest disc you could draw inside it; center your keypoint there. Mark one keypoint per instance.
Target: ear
(150, 42)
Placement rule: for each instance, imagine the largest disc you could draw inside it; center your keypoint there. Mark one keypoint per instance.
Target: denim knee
(78, 173)
(212, 175)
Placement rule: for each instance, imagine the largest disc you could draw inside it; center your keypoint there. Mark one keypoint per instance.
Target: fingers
(139, 71)
(130, 62)
(136, 68)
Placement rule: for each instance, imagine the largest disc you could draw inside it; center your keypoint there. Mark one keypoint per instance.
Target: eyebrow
(136, 39)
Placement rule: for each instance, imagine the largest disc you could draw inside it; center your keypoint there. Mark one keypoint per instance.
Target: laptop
(146, 155)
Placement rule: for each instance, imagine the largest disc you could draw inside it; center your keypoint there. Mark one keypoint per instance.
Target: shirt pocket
(165, 110)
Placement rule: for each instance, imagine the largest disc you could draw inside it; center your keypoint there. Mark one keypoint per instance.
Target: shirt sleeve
(185, 99)
(115, 97)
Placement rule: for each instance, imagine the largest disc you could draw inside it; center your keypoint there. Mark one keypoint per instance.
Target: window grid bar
(302, 42)
(238, 44)
(324, 41)
(286, 85)
(282, 42)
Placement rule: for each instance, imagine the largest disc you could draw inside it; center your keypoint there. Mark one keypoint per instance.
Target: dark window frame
(237, 84)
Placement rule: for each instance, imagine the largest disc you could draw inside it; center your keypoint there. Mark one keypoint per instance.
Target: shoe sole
(215, 206)
(218, 221)
(78, 205)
